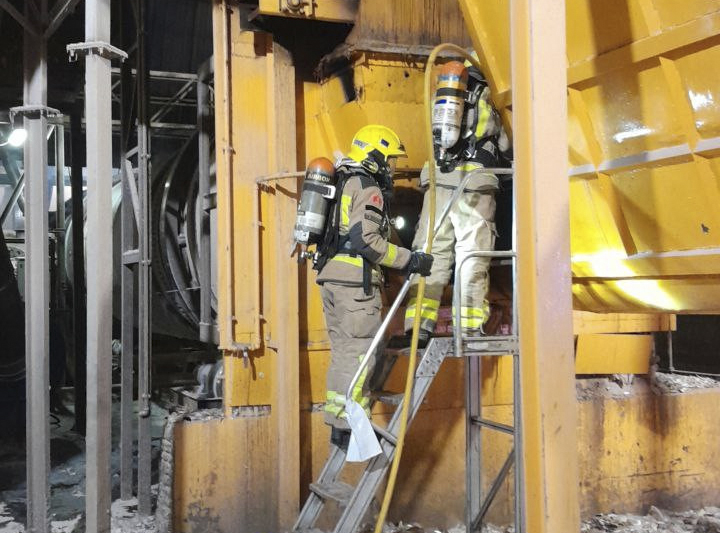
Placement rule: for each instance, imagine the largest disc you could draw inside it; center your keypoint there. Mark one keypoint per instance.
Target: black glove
(419, 263)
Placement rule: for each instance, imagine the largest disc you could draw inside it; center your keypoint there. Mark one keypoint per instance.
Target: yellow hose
(421, 285)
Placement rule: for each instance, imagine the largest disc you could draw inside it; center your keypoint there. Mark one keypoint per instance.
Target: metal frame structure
(37, 266)
(98, 113)
(136, 265)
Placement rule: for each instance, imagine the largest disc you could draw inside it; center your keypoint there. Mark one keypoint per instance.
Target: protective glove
(419, 263)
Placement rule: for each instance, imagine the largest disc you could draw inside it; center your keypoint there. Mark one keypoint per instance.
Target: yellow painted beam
(613, 354)
(549, 418)
(257, 129)
(587, 322)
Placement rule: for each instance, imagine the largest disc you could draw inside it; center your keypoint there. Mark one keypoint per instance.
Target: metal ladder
(356, 499)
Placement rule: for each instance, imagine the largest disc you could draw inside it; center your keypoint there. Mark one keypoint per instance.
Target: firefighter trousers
(352, 319)
(469, 227)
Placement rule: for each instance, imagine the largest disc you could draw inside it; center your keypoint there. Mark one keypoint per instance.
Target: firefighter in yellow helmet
(470, 224)
(349, 260)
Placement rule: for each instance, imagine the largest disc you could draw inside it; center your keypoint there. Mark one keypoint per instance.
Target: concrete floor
(67, 478)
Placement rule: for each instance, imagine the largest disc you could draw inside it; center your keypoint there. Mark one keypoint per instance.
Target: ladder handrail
(457, 296)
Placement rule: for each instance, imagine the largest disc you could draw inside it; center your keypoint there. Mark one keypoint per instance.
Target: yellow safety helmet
(373, 144)
(474, 54)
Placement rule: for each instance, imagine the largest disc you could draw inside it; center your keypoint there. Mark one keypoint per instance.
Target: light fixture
(398, 222)
(17, 137)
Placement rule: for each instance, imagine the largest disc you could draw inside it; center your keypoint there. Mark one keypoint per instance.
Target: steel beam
(99, 273)
(14, 198)
(128, 242)
(13, 172)
(549, 418)
(60, 10)
(37, 280)
(24, 21)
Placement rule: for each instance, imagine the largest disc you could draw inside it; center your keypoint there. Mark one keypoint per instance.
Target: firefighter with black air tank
(354, 246)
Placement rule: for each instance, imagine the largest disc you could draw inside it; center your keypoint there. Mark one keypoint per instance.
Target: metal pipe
(144, 289)
(228, 340)
(37, 369)
(98, 113)
(14, 197)
(205, 261)
(60, 215)
(279, 176)
(78, 257)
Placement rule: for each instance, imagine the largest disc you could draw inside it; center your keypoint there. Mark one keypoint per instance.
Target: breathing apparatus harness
(332, 243)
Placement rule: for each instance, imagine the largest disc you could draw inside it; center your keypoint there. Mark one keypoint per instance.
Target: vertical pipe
(547, 377)
(78, 260)
(60, 218)
(144, 347)
(99, 275)
(203, 124)
(37, 280)
(128, 242)
(473, 437)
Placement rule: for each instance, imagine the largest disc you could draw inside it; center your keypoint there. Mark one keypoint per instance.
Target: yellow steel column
(549, 412)
(258, 281)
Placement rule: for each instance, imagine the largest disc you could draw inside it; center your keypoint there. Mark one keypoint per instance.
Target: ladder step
(390, 398)
(490, 345)
(504, 428)
(337, 491)
(385, 434)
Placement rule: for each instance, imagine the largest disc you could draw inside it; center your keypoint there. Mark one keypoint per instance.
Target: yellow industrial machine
(643, 140)
(643, 145)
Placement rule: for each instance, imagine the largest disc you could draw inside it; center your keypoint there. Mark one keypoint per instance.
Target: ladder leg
(378, 466)
(517, 438)
(473, 436)
(314, 503)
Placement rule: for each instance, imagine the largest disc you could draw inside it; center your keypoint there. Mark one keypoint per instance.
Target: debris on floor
(622, 385)
(67, 479)
(676, 383)
(706, 520)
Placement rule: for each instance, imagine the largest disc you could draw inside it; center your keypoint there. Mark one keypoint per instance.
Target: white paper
(363, 441)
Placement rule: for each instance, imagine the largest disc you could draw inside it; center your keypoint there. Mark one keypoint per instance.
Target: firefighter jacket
(364, 230)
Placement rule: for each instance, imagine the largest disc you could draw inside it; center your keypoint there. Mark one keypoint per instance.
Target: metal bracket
(99, 48)
(33, 111)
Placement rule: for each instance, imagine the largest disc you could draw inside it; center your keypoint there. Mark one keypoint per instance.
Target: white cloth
(363, 441)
